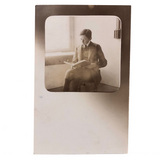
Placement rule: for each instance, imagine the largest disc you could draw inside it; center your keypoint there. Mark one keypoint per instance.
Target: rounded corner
(118, 18)
(47, 19)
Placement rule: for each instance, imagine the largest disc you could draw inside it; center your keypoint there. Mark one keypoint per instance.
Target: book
(81, 63)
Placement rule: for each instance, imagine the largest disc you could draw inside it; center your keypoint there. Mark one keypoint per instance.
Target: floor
(101, 88)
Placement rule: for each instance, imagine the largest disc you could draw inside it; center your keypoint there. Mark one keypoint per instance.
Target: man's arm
(102, 61)
(75, 56)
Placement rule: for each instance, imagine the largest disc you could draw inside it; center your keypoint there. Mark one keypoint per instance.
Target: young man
(91, 52)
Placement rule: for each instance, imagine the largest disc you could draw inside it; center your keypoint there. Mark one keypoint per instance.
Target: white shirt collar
(88, 43)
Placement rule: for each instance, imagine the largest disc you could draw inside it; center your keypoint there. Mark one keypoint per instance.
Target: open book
(81, 63)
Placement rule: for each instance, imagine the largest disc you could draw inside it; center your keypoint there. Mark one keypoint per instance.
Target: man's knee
(69, 74)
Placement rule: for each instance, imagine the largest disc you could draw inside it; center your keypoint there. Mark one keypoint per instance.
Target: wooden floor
(101, 88)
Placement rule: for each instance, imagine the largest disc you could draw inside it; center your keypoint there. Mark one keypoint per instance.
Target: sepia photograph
(82, 53)
(82, 56)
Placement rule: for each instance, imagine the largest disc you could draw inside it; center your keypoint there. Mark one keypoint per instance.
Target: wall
(102, 28)
(55, 75)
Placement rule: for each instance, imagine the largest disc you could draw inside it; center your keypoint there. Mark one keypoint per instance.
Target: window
(59, 34)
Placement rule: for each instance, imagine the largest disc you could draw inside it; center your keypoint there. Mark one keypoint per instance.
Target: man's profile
(92, 53)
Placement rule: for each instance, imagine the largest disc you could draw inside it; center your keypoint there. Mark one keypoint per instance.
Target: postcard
(82, 59)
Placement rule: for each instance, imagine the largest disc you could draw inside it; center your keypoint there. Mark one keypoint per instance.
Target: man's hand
(75, 67)
(91, 66)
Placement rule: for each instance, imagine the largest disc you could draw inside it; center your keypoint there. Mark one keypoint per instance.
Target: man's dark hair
(87, 33)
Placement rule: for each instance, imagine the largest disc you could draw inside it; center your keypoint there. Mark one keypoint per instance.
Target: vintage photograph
(82, 53)
(82, 58)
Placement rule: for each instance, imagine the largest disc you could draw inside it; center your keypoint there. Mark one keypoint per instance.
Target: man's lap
(82, 74)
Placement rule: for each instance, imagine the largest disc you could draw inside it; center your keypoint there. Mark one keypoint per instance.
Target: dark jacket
(95, 55)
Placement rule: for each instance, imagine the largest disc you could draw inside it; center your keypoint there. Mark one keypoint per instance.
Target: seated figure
(91, 52)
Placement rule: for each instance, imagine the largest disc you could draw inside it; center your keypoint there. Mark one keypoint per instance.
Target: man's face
(84, 39)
